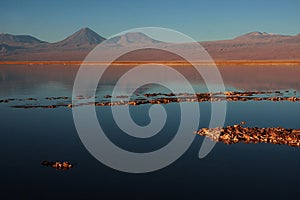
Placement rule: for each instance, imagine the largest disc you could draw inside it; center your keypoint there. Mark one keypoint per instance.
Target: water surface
(240, 171)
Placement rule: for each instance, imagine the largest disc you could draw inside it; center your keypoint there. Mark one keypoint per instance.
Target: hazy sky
(202, 20)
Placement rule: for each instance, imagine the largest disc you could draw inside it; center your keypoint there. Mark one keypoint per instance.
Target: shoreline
(169, 63)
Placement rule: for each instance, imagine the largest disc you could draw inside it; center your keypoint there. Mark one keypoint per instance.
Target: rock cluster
(165, 98)
(58, 165)
(237, 133)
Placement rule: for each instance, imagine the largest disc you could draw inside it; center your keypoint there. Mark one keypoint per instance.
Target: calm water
(240, 171)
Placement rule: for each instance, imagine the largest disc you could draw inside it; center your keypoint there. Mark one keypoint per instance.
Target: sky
(203, 20)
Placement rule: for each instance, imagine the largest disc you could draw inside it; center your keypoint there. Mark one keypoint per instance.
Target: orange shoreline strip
(170, 63)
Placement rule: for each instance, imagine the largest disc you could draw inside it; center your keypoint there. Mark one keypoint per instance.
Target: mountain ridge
(19, 40)
(253, 45)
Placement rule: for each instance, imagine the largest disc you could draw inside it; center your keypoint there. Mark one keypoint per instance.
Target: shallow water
(29, 136)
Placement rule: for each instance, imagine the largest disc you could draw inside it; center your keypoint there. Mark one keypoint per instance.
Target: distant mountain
(74, 47)
(260, 35)
(263, 37)
(19, 40)
(131, 38)
(23, 41)
(255, 45)
(84, 38)
(250, 46)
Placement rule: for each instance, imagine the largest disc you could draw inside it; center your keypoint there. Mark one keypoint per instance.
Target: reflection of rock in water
(237, 133)
(58, 165)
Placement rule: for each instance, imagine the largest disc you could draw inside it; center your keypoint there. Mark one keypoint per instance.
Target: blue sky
(202, 20)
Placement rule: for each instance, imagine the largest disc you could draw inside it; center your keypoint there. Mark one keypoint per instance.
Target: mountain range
(251, 46)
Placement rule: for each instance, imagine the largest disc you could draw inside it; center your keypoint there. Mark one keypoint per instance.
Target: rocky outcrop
(58, 165)
(237, 133)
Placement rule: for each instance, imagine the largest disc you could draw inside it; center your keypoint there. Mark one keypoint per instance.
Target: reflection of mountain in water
(31, 78)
